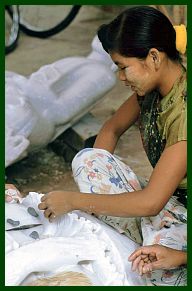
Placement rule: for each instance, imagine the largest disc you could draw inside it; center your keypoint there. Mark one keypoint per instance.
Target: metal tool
(21, 227)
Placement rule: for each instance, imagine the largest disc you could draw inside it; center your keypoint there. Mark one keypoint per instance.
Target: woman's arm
(111, 131)
(165, 178)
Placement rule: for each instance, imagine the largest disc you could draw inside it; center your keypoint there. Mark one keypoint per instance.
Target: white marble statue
(43, 105)
(73, 242)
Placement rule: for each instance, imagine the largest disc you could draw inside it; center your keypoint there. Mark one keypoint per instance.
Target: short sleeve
(176, 125)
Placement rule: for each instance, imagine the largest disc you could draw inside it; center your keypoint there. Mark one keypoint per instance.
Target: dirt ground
(44, 170)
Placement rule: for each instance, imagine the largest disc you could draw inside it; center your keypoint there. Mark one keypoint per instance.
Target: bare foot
(12, 194)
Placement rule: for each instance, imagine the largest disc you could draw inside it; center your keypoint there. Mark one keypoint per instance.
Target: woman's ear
(154, 57)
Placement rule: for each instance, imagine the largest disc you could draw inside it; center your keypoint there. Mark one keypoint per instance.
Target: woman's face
(136, 73)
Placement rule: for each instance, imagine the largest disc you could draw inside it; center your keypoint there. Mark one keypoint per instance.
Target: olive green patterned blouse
(163, 121)
(172, 119)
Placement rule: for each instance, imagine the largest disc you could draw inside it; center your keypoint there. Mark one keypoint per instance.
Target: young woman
(142, 43)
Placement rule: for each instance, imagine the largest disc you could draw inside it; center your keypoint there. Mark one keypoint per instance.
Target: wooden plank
(80, 135)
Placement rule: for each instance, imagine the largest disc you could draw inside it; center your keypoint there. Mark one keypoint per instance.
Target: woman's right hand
(156, 257)
(56, 203)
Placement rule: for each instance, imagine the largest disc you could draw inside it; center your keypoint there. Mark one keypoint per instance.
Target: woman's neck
(169, 74)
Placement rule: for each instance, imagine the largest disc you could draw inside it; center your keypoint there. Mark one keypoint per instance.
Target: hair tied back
(181, 38)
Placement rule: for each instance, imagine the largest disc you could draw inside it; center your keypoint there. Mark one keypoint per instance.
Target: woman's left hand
(156, 257)
(56, 203)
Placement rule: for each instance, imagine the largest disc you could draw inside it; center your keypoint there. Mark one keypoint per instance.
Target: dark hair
(138, 29)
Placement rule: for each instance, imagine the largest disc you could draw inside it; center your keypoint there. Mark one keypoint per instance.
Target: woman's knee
(88, 154)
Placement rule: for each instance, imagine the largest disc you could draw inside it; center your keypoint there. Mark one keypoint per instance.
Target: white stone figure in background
(73, 242)
(50, 100)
